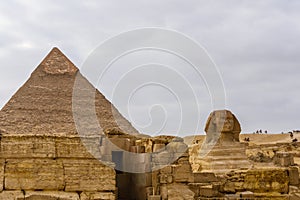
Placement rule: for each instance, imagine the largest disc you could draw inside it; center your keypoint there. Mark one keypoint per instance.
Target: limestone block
(272, 180)
(12, 195)
(294, 176)
(51, 195)
(208, 191)
(284, 159)
(229, 187)
(179, 191)
(204, 177)
(2, 163)
(97, 196)
(34, 174)
(76, 147)
(88, 175)
(183, 173)
(29, 147)
(122, 143)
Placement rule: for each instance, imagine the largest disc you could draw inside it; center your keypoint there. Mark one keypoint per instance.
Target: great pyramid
(43, 105)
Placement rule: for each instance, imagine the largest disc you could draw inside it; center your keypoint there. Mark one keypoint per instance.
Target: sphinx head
(225, 123)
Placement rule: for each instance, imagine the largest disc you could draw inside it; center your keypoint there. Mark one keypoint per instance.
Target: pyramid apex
(57, 63)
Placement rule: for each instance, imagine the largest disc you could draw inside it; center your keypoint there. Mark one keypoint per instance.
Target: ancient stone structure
(43, 157)
(222, 149)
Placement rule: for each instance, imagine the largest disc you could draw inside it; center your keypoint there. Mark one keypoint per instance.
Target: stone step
(229, 151)
(229, 146)
(225, 154)
(223, 158)
(222, 166)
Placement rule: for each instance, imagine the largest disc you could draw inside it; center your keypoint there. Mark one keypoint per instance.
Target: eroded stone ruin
(44, 158)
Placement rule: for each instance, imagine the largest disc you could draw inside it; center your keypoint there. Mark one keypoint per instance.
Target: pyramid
(43, 105)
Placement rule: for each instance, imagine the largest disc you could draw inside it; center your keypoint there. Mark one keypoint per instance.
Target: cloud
(254, 43)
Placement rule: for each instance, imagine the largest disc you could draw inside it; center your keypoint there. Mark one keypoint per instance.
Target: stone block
(270, 179)
(34, 174)
(183, 173)
(284, 159)
(179, 191)
(12, 195)
(27, 147)
(204, 177)
(97, 196)
(208, 191)
(2, 163)
(51, 195)
(154, 197)
(229, 187)
(88, 175)
(121, 144)
(76, 147)
(293, 175)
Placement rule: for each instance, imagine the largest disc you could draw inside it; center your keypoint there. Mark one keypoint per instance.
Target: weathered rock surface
(12, 195)
(88, 175)
(34, 174)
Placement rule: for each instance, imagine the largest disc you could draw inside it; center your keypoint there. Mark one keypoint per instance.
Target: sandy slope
(269, 138)
(254, 138)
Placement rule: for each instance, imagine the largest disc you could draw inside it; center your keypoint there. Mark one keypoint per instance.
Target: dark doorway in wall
(123, 179)
(130, 186)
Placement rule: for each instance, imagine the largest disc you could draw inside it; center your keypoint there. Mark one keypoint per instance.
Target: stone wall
(177, 181)
(53, 167)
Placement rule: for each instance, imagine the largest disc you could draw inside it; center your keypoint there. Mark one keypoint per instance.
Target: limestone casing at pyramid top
(57, 63)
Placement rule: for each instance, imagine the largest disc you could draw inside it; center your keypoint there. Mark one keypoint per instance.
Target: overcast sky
(255, 45)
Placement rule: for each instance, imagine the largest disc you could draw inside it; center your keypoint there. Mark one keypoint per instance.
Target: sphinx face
(223, 121)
